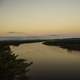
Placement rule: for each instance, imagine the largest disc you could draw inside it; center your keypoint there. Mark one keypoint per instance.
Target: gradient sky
(40, 16)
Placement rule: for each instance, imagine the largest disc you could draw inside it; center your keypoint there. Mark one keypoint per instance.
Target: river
(49, 62)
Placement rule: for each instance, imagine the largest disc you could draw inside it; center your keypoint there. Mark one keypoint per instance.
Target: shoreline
(19, 42)
(68, 43)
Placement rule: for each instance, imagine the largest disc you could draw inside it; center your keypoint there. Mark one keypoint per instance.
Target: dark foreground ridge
(12, 67)
(67, 43)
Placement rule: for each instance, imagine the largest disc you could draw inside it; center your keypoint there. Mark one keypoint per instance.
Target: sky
(40, 16)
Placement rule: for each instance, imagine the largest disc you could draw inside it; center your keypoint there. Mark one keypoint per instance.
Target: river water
(50, 62)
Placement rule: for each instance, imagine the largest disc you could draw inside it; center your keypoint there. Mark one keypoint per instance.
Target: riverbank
(68, 43)
(18, 42)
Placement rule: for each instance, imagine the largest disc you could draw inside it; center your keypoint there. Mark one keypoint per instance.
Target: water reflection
(11, 67)
(50, 63)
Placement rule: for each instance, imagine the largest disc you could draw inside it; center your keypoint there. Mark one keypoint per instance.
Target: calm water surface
(50, 62)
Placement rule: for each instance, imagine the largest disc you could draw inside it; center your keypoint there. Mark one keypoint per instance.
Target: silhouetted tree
(11, 67)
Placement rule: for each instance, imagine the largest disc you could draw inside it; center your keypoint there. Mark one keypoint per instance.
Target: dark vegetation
(18, 42)
(11, 67)
(68, 43)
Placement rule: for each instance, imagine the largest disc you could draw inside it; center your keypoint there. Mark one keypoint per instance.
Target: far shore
(19, 42)
(67, 43)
